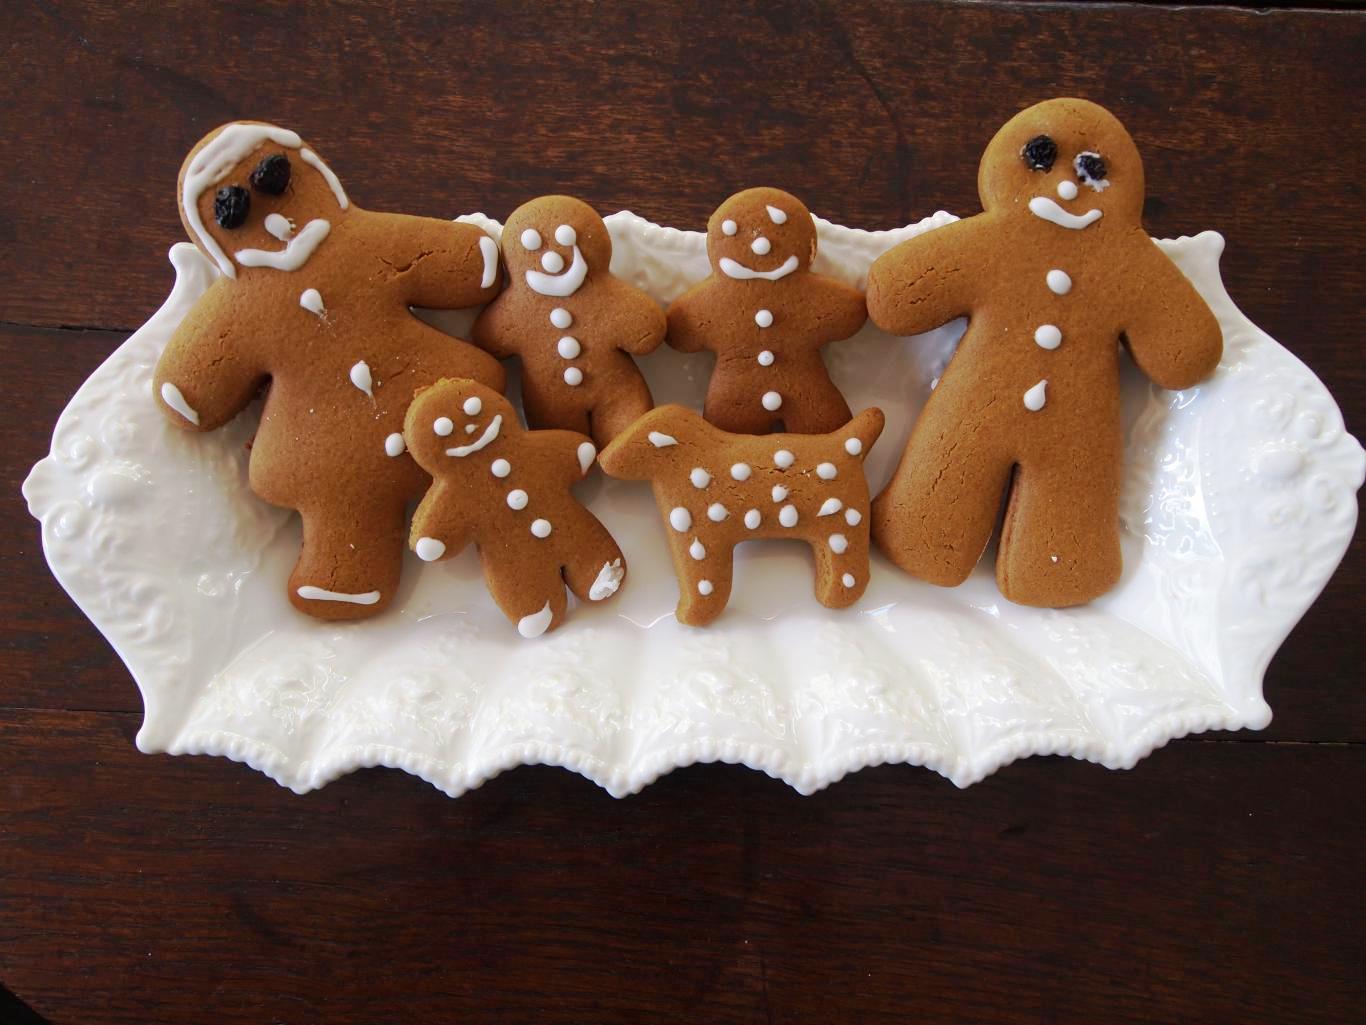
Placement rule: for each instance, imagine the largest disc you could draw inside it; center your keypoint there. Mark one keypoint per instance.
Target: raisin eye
(1039, 153)
(230, 206)
(1090, 168)
(271, 175)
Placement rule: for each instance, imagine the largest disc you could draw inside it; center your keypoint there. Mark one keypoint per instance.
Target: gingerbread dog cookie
(716, 489)
(507, 490)
(313, 298)
(573, 325)
(766, 316)
(1053, 275)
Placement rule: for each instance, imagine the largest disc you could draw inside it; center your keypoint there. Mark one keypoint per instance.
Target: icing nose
(1067, 189)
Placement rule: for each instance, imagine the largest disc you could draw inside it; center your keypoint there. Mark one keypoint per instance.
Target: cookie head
(761, 234)
(553, 243)
(458, 422)
(1068, 162)
(253, 195)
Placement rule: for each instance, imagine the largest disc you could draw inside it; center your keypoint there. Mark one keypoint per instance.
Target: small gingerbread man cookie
(313, 306)
(572, 324)
(507, 490)
(1054, 275)
(766, 316)
(716, 489)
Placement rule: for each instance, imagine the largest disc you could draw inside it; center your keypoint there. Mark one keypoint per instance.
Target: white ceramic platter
(1239, 502)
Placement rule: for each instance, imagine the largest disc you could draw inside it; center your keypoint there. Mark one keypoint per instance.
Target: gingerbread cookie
(766, 316)
(716, 489)
(313, 304)
(1053, 275)
(507, 490)
(572, 324)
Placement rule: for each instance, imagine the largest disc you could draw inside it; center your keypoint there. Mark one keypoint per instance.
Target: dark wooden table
(1220, 881)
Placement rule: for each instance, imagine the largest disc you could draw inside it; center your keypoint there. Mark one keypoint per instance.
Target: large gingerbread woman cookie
(766, 316)
(1053, 275)
(507, 490)
(715, 489)
(313, 304)
(572, 324)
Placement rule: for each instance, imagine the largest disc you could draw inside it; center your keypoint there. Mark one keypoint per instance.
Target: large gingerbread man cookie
(507, 490)
(1054, 275)
(766, 316)
(715, 489)
(572, 324)
(312, 303)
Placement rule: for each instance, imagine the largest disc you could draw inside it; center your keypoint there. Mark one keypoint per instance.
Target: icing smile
(559, 285)
(295, 253)
(740, 272)
(487, 438)
(1045, 208)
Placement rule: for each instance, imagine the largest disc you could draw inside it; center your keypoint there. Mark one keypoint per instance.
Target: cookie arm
(1169, 330)
(928, 280)
(495, 330)
(568, 455)
(642, 324)
(443, 265)
(687, 320)
(207, 374)
(837, 310)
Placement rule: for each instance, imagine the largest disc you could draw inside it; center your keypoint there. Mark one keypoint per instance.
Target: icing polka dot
(830, 506)
(827, 471)
(443, 425)
(766, 358)
(740, 471)
(1035, 398)
(1067, 189)
(1059, 282)
(779, 492)
(517, 499)
(839, 544)
(700, 478)
(772, 401)
(565, 235)
(728, 227)
(569, 347)
(680, 519)
(573, 377)
(393, 445)
(852, 517)
(561, 317)
(1047, 336)
(531, 240)
(472, 406)
(697, 550)
(787, 516)
(853, 446)
(716, 512)
(704, 587)
(429, 549)
(848, 580)
(753, 518)
(782, 459)
(552, 261)
(500, 467)
(540, 528)
(764, 318)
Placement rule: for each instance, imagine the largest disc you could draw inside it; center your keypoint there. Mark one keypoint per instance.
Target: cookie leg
(617, 411)
(595, 568)
(704, 577)
(736, 408)
(530, 592)
(1060, 540)
(349, 565)
(841, 564)
(544, 413)
(821, 409)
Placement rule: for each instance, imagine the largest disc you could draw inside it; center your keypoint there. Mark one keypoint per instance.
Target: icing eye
(728, 227)
(271, 175)
(775, 215)
(472, 406)
(553, 262)
(566, 235)
(1090, 168)
(1039, 153)
(231, 205)
(531, 240)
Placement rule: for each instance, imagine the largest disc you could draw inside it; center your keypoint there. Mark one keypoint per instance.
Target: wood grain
(1219, 881)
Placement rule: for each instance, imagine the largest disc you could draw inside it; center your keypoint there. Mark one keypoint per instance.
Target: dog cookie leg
(529, 589)
(704, 577)
(349, 565)
(841, 563)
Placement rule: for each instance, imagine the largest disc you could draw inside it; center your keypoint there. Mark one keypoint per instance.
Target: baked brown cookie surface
(313, 305)
(572, 324)
(766, 316)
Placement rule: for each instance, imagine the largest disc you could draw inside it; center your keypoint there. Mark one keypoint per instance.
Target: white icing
(852, 517)
(517, 499)
(565, 284)
(661, 440)
(565, 235)
(753, 518)
(740, 272)
(312, 300)
(830, 506)
(787, 516)
(697, 550)
(782, 459)
(740, 471)
(552, 261)
(540, 528)
(173, 397)
(704, 587)
(853, 446)
(608, 580)
(779, 492)
(473, 405)
(700, 478)
(772, 401)
(765, 358)
(360, 377)
(279, 226)
(295, 253)
(489, 435)
(313, 160)
(716, 512)
(839, 544)
(568, 347)
(1047, 336)
(761, 246)
(561, 317)
(500, 468)
(680, 519)
(764, 318)
(531, 240)
(848, 580)
(728, 227)
(1042, 206)
(429, 549)
(775, 215)
(310, 593)
(394, 445)
(1067, 189)
(489, 250)
(471, 428)
(587, 452)
(535, 624)
(442, 426)
(827, 471)
(1034, 398)
(1059, 282)
(573, 376)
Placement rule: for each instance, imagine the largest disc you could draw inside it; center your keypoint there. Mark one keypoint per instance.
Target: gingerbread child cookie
(1054, 275)
(716, 489)
(507, 490)
(572, 324)
(313, 304)
(766, 316)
